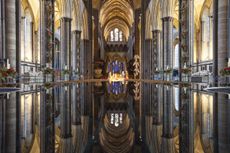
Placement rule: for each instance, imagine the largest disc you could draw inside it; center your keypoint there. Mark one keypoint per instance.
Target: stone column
(167, 42)
(137, 33)
(46, 32)
(36, 43)
(147, 59)
(10, 31)
(86, 59)
(96, 48)
(186, 33)
(65, 43)
(1, 30)
(142, 51)
(75, 53)
(157, 54)
(222, 36)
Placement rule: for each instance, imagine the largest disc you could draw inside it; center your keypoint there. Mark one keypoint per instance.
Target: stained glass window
(116, 35)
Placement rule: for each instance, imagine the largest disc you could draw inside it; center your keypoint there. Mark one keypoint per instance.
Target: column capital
(76, 31)
(156, 31)
(168, 18)
(66, 19)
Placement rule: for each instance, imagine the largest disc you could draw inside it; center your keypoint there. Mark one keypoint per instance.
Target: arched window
(120, 36)
(207, 29)
(176, 57)
(116, 35)
(111, 36)
(26, 37)
(116, 32)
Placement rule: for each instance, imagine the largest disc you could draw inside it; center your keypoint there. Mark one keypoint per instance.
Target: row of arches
(203, 27)
(30, 29)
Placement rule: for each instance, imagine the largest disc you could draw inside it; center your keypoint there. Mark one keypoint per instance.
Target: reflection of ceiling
(116, 139)
(116, 14)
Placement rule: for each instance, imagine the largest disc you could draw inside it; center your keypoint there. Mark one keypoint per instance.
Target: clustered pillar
(222, 36)
(65, 45)
(147, 59)
(47, 33)
(186, 30)
(156, 52)
(167, 44)
(75, 58)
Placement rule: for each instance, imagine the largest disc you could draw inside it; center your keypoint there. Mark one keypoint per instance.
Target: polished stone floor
(114, 117)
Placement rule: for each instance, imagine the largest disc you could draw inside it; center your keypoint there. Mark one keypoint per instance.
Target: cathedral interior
(114, 76)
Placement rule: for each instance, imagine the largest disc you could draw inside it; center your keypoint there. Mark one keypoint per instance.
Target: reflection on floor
(114, 117)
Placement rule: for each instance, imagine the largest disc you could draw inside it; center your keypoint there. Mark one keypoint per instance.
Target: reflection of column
(167, 42)
(10, 124)
(47, 131)
(65, 46)
(147, 99)
(156, 55)
(223, 125)
(167, 112)
(66, 145)
(75, 53)
(65, 119)
(157, 92)
(76, 107)
(167, 145)
(186, 135)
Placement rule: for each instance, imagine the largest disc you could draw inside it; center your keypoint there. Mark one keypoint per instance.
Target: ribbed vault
(118, 139)
(116, 14)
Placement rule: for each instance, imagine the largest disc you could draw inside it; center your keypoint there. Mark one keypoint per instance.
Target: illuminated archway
(116, 14)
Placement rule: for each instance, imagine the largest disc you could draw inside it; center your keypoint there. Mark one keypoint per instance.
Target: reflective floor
(115, 117)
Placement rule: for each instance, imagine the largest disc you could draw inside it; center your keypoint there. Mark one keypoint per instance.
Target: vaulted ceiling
(116, 14)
